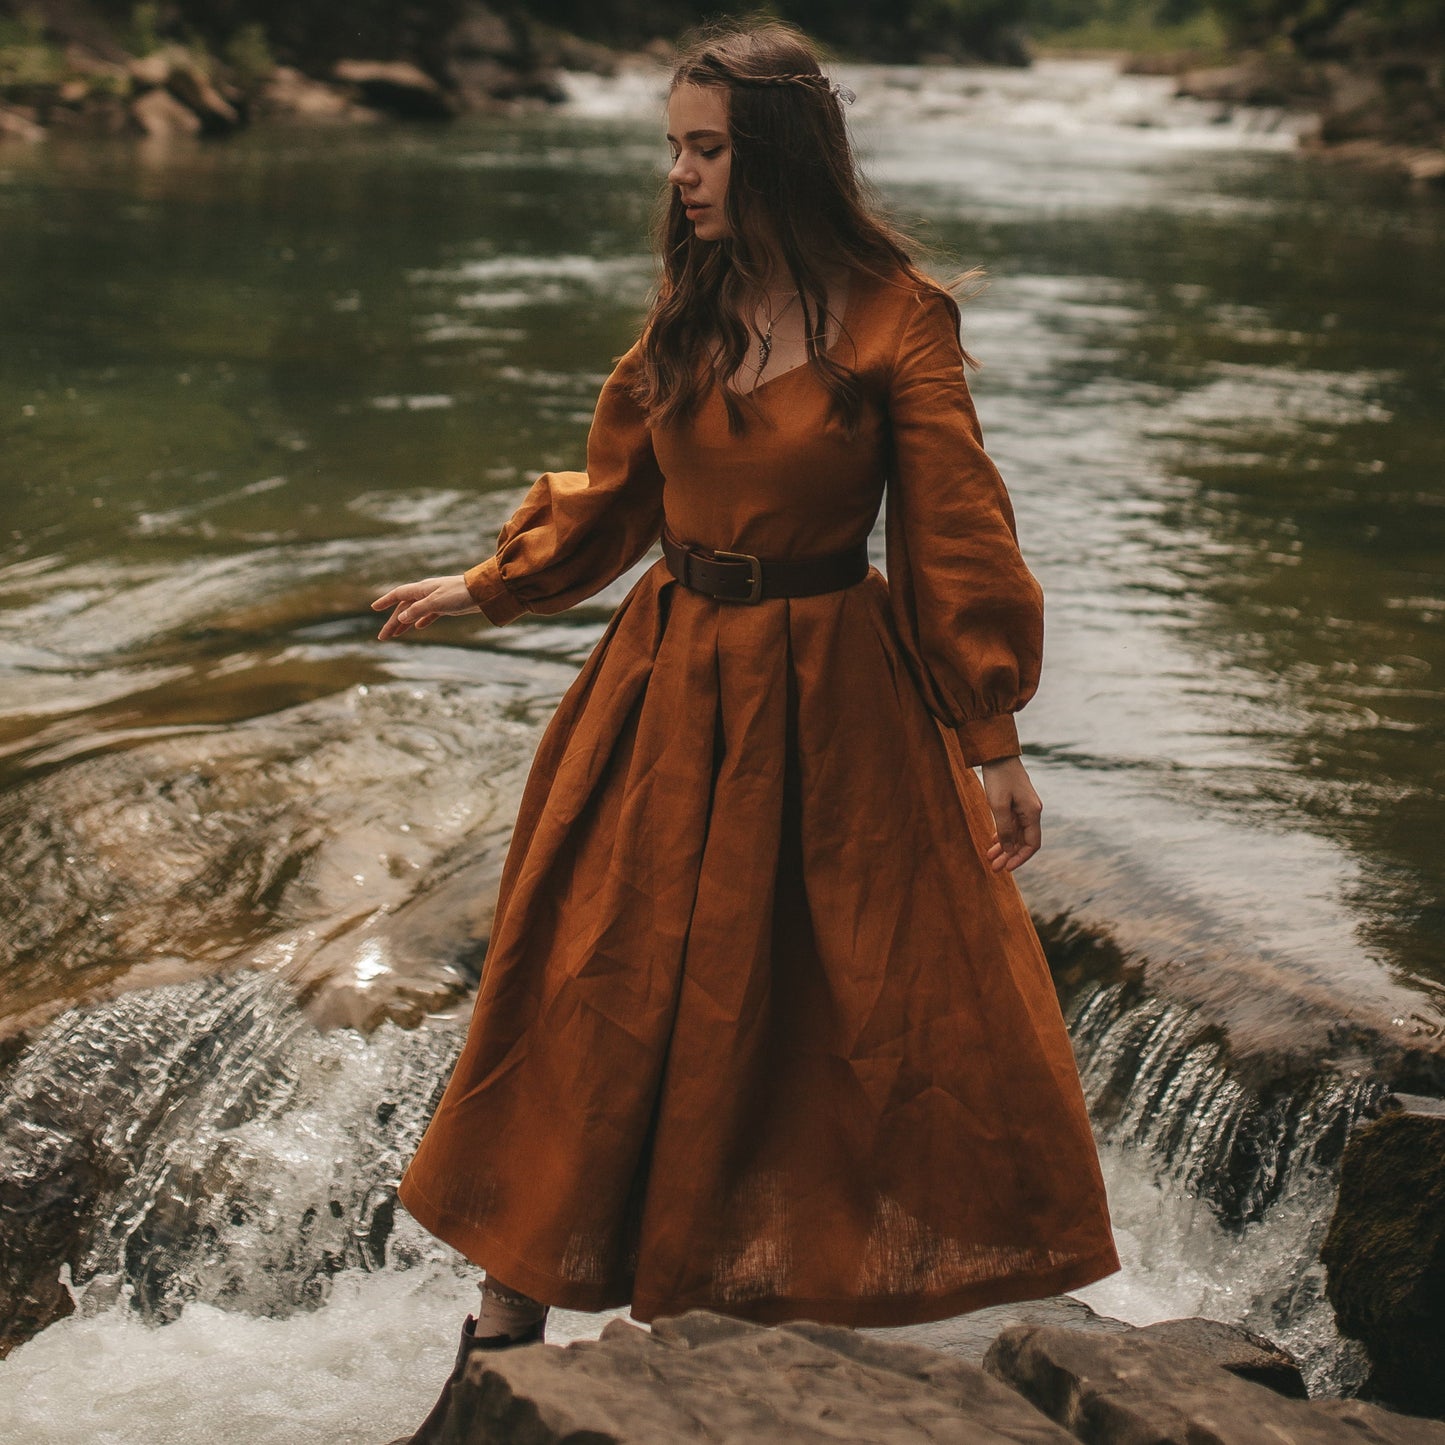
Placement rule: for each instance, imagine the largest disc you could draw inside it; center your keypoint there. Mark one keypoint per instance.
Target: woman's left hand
(1016, 813)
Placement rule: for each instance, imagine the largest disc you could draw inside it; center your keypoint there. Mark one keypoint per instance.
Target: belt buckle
(755, 573)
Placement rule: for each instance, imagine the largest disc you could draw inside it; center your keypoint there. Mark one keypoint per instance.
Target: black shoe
(430, 1429)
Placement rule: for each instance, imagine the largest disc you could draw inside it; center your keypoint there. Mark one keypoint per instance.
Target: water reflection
(312, 363)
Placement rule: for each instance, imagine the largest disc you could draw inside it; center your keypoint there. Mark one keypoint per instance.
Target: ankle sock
(506, 1312)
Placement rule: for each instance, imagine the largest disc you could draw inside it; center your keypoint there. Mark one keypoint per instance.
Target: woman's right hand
(419, 604)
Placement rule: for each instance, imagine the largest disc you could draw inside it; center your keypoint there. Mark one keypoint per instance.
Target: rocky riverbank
(1386, 111)
(69, 73)
(702, 1376)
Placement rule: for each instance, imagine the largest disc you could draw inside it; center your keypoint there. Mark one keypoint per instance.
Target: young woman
(764, 1026)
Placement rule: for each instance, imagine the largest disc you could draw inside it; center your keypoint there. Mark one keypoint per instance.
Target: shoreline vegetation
(1369, 74)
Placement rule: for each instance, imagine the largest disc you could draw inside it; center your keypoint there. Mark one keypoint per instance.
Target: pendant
(765, 349)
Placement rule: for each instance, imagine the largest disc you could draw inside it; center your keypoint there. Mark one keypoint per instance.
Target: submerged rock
(1136, 1390)
(1385, 1252)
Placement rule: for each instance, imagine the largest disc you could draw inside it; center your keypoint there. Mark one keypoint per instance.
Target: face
(697, 135)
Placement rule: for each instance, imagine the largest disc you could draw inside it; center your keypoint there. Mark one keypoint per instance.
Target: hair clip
(843, 93)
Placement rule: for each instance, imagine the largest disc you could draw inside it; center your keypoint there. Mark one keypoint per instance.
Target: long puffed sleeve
(966, 607)
(574, 532)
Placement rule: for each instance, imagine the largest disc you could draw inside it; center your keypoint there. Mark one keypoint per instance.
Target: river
(251, 853)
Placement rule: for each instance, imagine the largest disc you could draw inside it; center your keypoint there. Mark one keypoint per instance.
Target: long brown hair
(793, 179)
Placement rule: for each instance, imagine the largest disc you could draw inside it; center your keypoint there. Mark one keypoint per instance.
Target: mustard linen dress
(758, 1030)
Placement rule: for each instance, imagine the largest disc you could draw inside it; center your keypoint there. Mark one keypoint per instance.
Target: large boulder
(1236, 1349)
(396, 86)
(158, 113)
(1384, 1254)
(1132, 1389)
(702, 1376)
(19, 124)
(193, 88)
(287, 92)
(175, 70)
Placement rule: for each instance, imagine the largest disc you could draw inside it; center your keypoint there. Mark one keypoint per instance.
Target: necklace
(765, 342)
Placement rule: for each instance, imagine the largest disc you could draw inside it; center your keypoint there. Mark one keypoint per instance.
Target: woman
(764, 1026)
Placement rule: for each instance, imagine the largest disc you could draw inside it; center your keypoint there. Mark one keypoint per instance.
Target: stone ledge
(707, 1377)
(1136, 1390)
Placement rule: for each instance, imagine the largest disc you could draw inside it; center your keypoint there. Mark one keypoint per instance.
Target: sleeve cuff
(989, 738)
(490, 593)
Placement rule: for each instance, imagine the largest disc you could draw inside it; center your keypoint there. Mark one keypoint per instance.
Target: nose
(683, 173)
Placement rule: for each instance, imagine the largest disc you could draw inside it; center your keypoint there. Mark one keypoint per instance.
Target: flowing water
(251, 853)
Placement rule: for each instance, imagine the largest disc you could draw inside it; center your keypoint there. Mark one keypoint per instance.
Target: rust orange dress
(758, 1030)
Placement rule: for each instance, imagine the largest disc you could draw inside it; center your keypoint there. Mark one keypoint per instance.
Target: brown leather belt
(742, 577)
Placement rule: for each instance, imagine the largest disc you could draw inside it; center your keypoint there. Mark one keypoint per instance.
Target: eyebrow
(699, 134)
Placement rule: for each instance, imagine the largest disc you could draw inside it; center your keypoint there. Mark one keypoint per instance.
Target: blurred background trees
(312, 34)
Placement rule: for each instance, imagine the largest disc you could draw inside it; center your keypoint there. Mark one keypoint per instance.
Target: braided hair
(794, 180)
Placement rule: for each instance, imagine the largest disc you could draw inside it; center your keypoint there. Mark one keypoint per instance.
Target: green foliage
(26, 58)
(26, 28)
(1141, 26)
(143, 34)
(311, 34)
(249, 55)
(1335, 26)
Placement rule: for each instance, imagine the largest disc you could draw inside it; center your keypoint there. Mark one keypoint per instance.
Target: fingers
(406, 616)
(1020, 836)
(415, 607)
(407, 592)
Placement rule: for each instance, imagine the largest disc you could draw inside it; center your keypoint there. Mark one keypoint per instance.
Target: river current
(251, 853)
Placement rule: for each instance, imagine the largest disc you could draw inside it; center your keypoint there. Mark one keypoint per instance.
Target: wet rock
(1427, 168)
(96, 113)
(287, 92)
(203, 1141)
(1368, 105)
(401, 963)
(109, 66)
(496, 61)
(15, 124)
(969, 1336)
(702, 1376)
(149, 72)
(1242, 1352)
(573, 53)
(1385, 1251)
(190, 85)
(158, 113)
(1236, 1349)
(397, 87)
(1255, 80)
(27, 1309)
(1136, 1390)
